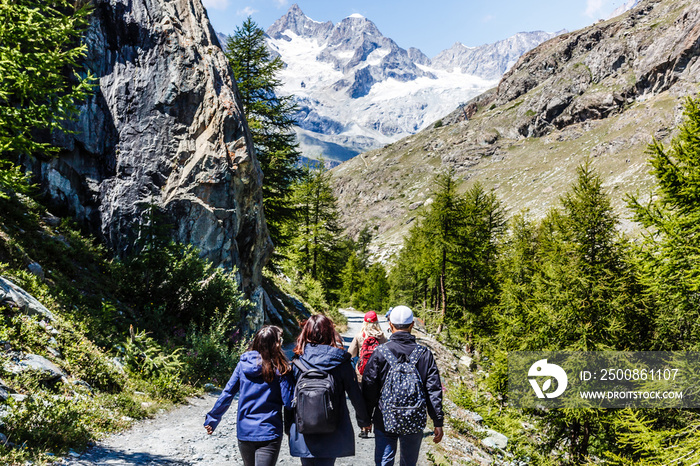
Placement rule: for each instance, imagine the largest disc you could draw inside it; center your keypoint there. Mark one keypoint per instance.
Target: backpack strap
(416, 354)
(300, 365)
(388, 355)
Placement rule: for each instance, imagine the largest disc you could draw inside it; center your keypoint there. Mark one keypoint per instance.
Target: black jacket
(377, 368)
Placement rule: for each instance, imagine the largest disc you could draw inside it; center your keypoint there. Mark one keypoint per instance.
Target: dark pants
(317, 461)
(260, 453)
(385, 448)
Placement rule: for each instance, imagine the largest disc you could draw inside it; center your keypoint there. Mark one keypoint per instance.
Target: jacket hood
(251, 364)
(324, 357)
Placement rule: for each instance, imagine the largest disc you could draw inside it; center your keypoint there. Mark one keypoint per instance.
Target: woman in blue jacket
(320, 346)
(263, 379)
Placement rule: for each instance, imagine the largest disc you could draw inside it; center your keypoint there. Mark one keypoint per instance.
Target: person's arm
(352, 388)
(222, 404)
(287, 389)
(354, 348)
(371, 383)
(433, 387)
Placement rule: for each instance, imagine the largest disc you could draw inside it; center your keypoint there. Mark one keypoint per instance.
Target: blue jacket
(259, 403)
(340, 443)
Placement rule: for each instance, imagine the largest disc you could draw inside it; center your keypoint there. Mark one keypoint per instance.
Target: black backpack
(316, 400)
(402, 401)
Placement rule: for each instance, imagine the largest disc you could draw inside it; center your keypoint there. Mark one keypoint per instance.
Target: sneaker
(364, 434)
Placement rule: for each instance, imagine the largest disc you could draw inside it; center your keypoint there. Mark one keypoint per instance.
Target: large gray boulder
(163, 127)
(34, 362)
(14, 296)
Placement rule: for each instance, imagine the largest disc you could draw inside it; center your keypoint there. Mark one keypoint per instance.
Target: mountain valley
(602, 93)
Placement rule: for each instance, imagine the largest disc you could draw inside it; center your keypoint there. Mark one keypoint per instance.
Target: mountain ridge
(358, 90)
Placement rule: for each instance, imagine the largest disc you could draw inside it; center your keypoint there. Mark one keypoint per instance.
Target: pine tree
(671, 252)
(317, 249)
(271, 119)
(441, 225)
(39, 41)
(475, 258)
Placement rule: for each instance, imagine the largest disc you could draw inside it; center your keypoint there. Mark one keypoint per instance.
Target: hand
(368, 428)
(209, 429)
(437, 434)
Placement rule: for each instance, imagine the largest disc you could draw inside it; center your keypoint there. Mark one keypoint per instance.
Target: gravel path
(178, 438)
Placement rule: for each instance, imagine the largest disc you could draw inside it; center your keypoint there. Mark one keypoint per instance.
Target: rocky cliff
(601, 93)
(163, 127)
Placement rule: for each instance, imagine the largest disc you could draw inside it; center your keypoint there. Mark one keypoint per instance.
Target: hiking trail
(177, 437)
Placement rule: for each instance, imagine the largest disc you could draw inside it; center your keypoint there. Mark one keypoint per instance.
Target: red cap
(371, 316)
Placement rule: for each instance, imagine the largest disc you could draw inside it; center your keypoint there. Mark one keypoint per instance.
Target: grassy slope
(78, 288)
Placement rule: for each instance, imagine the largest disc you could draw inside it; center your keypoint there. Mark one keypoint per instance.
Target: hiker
(387, 315)
(366, 340)
(402, 377)
(319, 352)
(263, 380)
(363, 345)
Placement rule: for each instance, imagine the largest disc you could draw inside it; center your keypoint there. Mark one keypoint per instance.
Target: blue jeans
(317, 461)
(385, 448)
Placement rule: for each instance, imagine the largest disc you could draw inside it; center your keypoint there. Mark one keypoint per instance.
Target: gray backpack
(402, 401)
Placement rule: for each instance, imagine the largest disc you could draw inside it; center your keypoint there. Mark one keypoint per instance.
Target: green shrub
(85, 361)
(213, 351)
(438, 124)
(144, 357)
(311, 291)
(47, 422)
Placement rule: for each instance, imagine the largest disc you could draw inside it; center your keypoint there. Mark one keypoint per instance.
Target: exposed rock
(4, 395)
(592, 73)
(13, 295)
(495, 439)
(38, 363)
(164, 127)
(36, 270)
(18, 397)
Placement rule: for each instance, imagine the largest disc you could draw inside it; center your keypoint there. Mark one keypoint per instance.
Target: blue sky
(431, 26)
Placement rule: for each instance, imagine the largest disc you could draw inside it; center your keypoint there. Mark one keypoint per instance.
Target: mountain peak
(297, 22)
(356, 16)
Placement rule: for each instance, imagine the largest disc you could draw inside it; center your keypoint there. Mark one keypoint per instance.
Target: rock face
(163, 127)
(596, 72)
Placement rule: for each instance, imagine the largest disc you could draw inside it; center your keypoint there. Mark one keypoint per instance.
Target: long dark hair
(317, 329)
(268, 342)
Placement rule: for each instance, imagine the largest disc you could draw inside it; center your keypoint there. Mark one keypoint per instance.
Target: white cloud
(215, 4)
(487, 18)
(593, 7)
(247, 11)
(281, 3)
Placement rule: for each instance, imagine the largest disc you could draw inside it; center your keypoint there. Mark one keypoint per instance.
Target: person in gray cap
(401, 382)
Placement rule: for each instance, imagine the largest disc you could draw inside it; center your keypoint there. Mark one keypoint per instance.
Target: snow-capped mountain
(490, 61)
(358, 90)
(623, 8)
